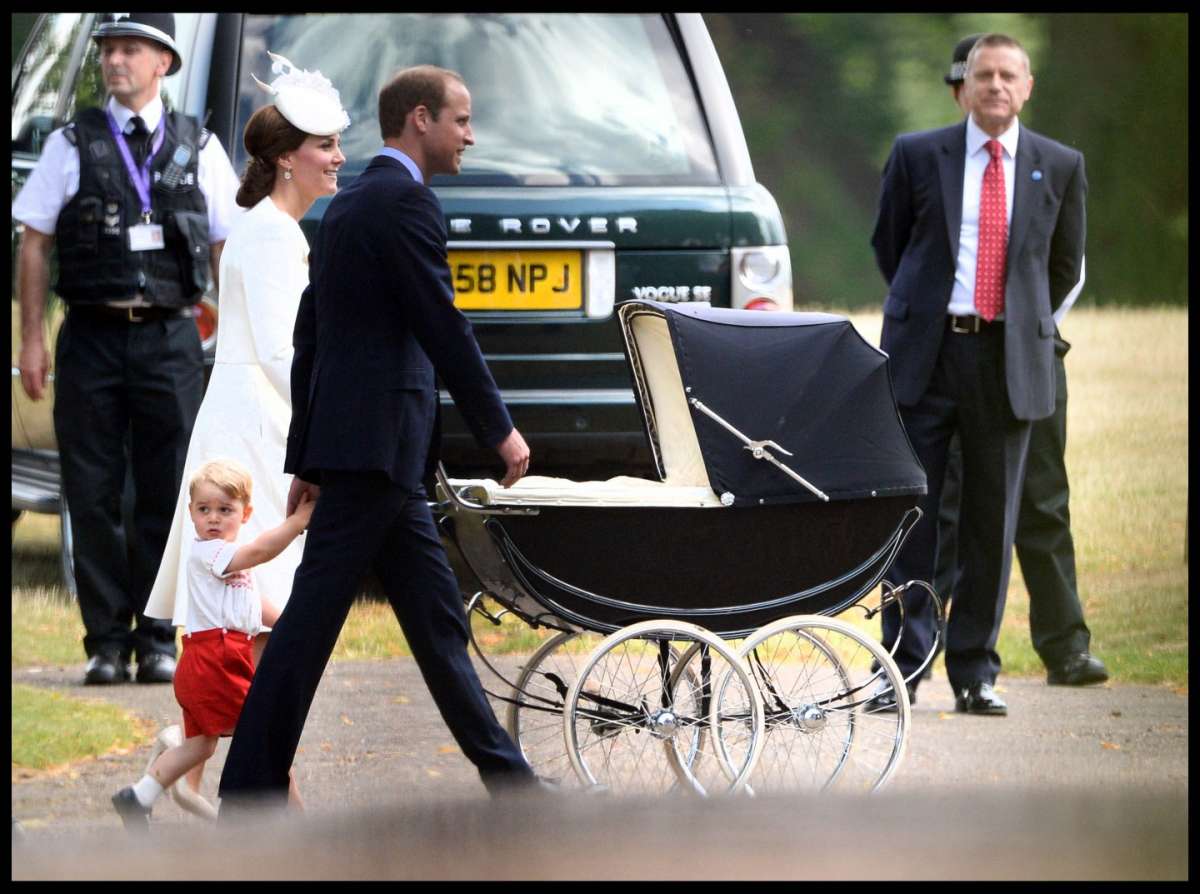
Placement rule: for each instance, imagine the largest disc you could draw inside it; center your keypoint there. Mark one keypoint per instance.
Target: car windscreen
(556, 99)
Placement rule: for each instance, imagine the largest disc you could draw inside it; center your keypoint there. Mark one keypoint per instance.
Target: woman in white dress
(295, 154)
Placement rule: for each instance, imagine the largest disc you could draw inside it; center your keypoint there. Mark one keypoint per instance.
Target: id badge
(146, 237)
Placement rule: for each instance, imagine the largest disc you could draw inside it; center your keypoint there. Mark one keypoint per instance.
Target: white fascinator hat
(305, 98)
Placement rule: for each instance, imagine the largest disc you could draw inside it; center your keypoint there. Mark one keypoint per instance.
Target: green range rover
(609, 164)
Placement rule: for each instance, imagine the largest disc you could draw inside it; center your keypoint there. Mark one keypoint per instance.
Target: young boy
(225, 612)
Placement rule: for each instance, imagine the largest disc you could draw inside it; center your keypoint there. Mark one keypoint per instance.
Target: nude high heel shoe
(181, 793)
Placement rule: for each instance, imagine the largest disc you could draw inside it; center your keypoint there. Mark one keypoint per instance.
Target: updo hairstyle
(268, 135)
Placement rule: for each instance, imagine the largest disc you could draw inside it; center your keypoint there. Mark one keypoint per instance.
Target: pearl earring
(287, 174)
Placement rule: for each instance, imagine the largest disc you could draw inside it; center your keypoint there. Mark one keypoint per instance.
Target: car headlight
(762, 277)
(758, 269)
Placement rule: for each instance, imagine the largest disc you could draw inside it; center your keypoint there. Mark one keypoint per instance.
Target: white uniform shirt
(218, 599)
(55, 179)
(962, 297)
(1071, 295)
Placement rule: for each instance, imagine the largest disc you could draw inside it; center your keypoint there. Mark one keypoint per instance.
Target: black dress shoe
(1080, 669)
(884, 699)
(156, 668)
(980, 698)
(135, 817)
(104, 670)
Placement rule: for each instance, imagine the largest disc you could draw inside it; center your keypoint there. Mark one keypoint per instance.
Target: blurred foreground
(985, 835)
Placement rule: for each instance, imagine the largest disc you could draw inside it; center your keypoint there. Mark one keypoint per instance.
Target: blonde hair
(231, 477)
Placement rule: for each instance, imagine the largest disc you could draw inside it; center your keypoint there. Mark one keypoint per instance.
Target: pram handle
(758, 449)
(464, 504)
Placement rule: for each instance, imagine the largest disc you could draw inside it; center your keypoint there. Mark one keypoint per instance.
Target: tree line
(822, 96)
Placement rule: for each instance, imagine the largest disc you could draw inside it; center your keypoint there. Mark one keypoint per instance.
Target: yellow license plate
(517, 280)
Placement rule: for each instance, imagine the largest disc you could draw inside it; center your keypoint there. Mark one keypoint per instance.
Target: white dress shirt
(55, 179)
(962, 297)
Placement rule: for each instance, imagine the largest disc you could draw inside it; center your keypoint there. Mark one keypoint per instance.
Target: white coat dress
(247, 406)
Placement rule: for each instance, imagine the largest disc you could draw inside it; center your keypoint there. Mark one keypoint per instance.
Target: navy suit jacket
(916, 247)
(375, 323)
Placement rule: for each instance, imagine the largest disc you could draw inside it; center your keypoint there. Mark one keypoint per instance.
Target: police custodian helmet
(958, 64)
(156, 26)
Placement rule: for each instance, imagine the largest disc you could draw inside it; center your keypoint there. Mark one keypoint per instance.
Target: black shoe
(1080, 669)
(980, 698)
(522, 785)
(884, 699)
(104, 670)
(135, 817)
(156, 668)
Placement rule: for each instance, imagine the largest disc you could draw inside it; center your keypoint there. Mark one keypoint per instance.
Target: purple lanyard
(140, 178)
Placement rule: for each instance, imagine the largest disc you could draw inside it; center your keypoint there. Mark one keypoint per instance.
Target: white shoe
(181, 793)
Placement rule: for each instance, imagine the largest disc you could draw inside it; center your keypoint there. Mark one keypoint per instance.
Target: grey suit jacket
(916, 246)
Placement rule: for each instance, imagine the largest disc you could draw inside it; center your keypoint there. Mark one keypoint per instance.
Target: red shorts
(212, 680)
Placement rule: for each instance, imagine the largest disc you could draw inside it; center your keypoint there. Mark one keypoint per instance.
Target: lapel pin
(1037, 175)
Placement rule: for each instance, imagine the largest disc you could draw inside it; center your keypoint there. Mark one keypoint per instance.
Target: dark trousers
(1044, 545)
(363, 520)
(967, 395)
(119, 383)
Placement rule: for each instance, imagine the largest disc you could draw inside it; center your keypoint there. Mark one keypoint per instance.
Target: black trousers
(967, 396)
(1044, 544)
(118, 382)
(363, 520)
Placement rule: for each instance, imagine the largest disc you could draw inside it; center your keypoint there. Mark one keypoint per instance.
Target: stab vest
(95, 264)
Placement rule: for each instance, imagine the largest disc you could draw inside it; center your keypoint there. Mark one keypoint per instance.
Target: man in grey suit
(980, 236)
(1045, 548)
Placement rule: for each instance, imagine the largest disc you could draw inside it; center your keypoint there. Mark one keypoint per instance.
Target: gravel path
(1074, 783)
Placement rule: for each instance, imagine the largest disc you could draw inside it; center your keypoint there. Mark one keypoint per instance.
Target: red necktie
(993, 238)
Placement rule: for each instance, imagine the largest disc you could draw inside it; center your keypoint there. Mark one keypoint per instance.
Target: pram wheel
(534, 717)
(636, 721)
(816, 676)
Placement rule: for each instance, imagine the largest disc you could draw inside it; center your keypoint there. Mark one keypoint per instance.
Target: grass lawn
(1127, 443)
(1127, 459)
(39, 719)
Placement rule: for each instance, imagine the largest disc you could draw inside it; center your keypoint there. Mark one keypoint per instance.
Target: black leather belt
(971, 325)
(143, 314)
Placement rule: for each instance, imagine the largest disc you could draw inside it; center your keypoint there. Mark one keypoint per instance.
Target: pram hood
(808, 382)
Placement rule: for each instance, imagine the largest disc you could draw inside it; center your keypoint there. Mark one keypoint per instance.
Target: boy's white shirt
(217, 598)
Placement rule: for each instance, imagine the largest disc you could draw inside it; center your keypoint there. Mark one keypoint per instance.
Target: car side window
(41, 76)
(89, 86)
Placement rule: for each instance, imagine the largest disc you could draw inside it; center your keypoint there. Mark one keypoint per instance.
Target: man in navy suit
(376, 322)
(977, 363)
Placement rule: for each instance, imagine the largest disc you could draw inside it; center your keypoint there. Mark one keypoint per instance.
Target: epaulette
(71, 136)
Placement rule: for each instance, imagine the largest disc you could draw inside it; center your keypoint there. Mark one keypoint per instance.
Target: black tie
(137, 139)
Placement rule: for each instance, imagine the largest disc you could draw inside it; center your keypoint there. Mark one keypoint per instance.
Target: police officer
(136, 200)
(1044, 544)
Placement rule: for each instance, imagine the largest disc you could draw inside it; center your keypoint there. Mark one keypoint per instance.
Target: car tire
(66, 551)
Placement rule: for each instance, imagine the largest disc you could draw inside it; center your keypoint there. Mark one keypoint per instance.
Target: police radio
(172, 175)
